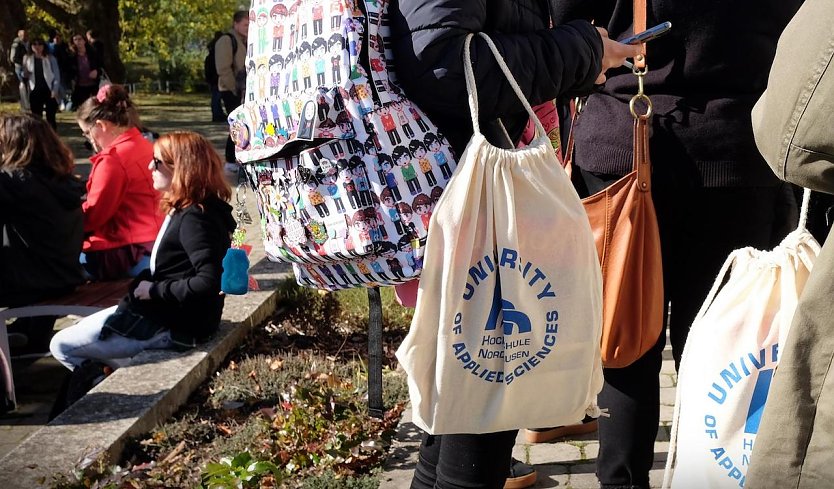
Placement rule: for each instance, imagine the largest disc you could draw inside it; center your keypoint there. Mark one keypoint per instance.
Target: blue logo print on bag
(505, 356)
(511, 316)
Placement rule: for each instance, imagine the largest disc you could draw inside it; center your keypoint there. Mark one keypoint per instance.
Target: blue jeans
(217, 113)
(79, 342)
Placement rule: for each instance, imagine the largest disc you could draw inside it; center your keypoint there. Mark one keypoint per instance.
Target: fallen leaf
(224, 429)
(276, 364)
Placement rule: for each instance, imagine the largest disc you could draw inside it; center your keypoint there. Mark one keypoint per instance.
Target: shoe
(521, 475)
(542, 435)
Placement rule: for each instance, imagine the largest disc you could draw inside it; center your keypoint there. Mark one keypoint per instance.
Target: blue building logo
(525, 339)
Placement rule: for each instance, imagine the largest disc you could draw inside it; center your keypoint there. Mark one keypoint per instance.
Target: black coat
(704, 77)
(427, 39)
(185, 295)
(41, 230)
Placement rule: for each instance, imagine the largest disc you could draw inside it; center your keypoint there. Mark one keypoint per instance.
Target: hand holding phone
(648, 34)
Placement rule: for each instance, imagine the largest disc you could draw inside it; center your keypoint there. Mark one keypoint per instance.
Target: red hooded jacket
(122, 206)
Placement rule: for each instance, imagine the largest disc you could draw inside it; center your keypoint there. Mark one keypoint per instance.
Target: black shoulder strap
(234, 44)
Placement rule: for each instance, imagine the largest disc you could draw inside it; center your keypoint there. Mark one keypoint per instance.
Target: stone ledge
(136, 398)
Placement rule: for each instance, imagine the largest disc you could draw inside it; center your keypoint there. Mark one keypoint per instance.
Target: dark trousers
(41, 101)
(464, 461)
(217, 114)
(231, 102)
(699, 227)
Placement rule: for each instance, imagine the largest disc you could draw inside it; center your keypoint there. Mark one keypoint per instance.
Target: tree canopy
(172, 33)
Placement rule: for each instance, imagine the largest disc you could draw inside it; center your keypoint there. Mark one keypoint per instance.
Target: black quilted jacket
(427, 39)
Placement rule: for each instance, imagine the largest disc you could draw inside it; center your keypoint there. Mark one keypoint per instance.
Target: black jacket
(95, 59)
(704, 77)
(185, 295)
(427, 39)
(41, 230)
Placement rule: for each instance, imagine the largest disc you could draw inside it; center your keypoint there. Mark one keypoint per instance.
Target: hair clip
(101, 96)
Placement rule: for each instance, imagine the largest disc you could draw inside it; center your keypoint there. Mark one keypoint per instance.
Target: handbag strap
(642, 164)
(472, 90)
(640, 26)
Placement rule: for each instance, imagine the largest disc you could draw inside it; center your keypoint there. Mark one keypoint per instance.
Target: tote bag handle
(472, 90)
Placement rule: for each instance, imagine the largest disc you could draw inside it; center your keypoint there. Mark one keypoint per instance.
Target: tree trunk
(10, 22)
(103, 16)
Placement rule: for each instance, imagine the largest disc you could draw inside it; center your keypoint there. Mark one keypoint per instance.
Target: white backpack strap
(803, 211)
(472, 90)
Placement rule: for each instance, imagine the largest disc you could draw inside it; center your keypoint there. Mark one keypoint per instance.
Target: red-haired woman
(177, 302)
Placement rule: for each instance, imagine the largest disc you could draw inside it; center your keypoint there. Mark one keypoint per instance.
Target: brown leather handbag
(625, 229)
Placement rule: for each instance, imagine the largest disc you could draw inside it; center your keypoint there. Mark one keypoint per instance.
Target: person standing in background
(44, 78)
(210, 74)
(230, 59)
(19, 49)
(712, 190)
(57, 47)
(84, 69)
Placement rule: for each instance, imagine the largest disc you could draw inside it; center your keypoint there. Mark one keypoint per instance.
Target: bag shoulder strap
(472, 89)
(640, 26)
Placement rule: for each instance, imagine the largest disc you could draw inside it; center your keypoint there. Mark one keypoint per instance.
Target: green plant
(330, 480)
(238, 472)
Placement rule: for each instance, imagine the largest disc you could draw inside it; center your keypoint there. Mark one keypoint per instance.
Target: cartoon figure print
(261, 21)
(387, 165)
(404, 246)
(390, 205)
(433, 144)
(336, 9)
(418, 149)
(316, 199)
(363, 187)
(278, 14)
(388, 251)
(402, 157)
(276, 64)
(318, 15)
(422, 205)
(336, 46)
(403, 119)
(415, 114)
(263, 81)
(389, 125)
(380, 222)
(329, 182)
(307, 64)
(348, 184)
(406, 215)
(373, 224)
(319, 48)
(250, 51)
(360, 229)
(250, 81)
(365, 270)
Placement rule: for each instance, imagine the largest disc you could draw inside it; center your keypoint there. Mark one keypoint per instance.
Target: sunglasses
(156, 162)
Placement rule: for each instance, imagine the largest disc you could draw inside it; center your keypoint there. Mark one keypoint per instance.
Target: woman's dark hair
(27, 141)
(113, 104)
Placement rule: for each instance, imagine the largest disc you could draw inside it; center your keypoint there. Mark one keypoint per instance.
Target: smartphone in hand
(648, 34)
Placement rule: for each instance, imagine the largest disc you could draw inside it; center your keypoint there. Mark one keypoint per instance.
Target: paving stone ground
(568, 464)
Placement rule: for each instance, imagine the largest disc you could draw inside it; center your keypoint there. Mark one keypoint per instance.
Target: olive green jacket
(794, 128)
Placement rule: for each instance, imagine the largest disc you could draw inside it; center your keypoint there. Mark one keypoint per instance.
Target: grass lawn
(159, 112)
